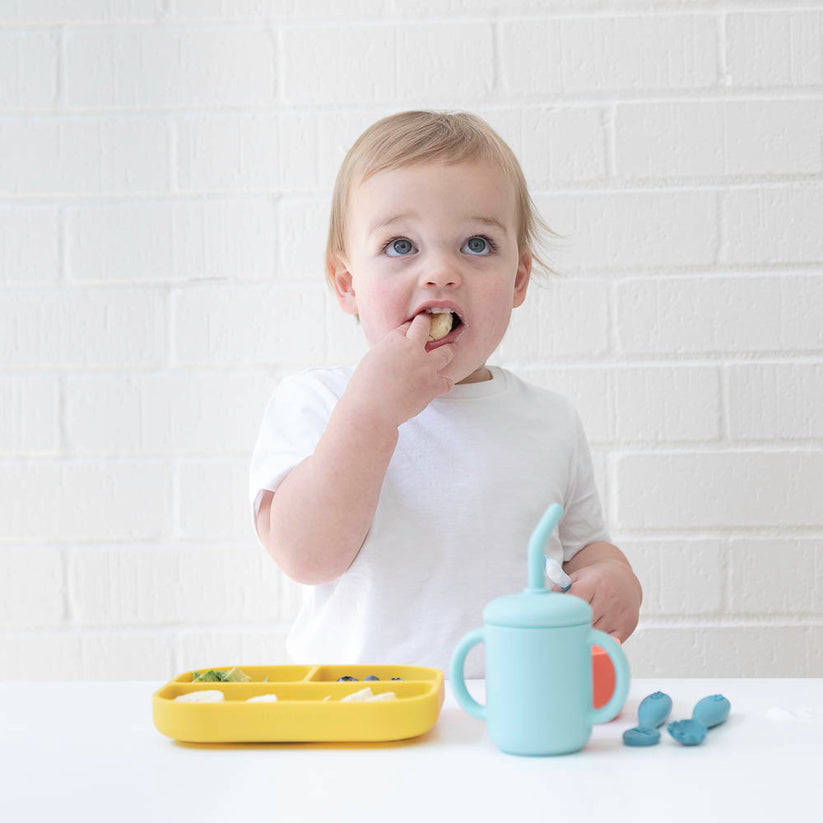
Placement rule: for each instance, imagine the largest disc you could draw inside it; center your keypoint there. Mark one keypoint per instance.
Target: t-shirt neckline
(484, 388)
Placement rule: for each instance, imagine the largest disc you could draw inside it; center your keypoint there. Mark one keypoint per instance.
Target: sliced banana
(363, 694)
(368, 696)
(263, 698)
(204, 696)
(441, 325)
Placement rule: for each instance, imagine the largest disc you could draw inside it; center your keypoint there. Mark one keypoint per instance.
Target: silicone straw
(537, 545)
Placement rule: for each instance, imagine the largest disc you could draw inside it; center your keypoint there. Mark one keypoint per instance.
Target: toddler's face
(437, 252)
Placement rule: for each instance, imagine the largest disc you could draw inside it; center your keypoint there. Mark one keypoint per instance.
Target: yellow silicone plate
(308, 707)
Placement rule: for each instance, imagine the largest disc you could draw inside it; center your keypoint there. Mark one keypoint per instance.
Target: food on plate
(204, 696)
(367, 695)
(363, 694)
(233, 675)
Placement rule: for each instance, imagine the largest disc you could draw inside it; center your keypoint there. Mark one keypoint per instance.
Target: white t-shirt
(469, 480)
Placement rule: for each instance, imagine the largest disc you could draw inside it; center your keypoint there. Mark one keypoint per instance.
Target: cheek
(496, 326)
(495, 318)
(389, 300)
(381, 310)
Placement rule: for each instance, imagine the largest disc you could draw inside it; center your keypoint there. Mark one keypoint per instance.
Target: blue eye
(471, 242)
(487, 240)
(398, 240)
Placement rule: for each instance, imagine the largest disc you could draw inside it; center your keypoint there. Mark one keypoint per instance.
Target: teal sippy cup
(539, 697)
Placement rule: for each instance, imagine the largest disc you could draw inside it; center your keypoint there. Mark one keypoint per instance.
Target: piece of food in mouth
(441, 323)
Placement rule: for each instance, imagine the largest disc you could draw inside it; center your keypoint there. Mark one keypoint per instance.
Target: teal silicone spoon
(651, 713)
(709, 712)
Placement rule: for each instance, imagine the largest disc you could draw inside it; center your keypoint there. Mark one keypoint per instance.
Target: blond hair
(413, 137)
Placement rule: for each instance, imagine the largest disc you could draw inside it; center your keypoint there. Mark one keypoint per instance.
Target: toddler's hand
(398, 378)
(611, 589)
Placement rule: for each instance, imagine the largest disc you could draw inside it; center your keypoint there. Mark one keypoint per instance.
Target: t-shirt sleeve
(295, 419)
(583, 521)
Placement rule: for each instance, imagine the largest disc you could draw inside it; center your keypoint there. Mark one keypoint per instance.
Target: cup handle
(621, 670)
(458, 682)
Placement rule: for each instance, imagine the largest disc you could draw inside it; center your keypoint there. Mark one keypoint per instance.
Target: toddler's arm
(314, 525)
(603, 577)
(316, 522)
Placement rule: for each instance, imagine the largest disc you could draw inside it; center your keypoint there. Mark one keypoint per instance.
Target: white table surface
(89, 752)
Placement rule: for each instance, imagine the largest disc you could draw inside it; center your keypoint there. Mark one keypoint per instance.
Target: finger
(443, 355)
(600, 624)
(419, 328)
(583, 592)
(606, 625)
(446, 385)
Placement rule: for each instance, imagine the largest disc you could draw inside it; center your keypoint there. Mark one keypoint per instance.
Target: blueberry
(370, 677)
(347, 678)
(397, 678)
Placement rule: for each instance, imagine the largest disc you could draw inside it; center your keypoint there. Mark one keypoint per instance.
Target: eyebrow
(489, 221)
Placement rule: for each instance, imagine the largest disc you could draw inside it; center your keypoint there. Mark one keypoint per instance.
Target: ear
(521, 280)
(344, 288)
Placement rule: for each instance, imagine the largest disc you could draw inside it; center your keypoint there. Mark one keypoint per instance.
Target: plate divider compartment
(301, 714)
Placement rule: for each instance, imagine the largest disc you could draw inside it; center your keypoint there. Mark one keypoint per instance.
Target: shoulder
(310, 394)
(546, 402)
(328, 383)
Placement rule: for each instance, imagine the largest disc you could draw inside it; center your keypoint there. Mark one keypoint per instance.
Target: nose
(440, 273)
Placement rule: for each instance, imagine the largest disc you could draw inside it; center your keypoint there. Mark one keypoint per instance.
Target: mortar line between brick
(722, 59)
(651, 622)
(608, 117)
(496, 51)
(726, 621)
(174, 186)
(723, 401)
(277, 46)
(172, 18)
(60, 68)
(67, 617)
(620, 187)
(589, 98)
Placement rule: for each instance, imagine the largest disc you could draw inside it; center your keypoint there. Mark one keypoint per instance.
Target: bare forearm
(317, 521)
(604, 578)
(594, 553)
(320, 516)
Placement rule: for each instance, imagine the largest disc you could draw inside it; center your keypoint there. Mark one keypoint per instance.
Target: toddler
(402, 492)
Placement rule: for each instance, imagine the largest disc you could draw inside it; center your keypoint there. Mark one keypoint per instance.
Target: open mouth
(446, 327)
(444, 321)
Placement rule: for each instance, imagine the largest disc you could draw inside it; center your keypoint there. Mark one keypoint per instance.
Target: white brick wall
(166, 168)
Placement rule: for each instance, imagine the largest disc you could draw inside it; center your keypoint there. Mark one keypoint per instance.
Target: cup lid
(538, 609)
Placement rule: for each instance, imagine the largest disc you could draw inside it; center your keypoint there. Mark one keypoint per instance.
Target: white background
(165, 177)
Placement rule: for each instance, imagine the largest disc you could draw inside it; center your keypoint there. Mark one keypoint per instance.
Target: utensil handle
(621, 670)
(458, 682)
(712, 710)
(654, 710)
